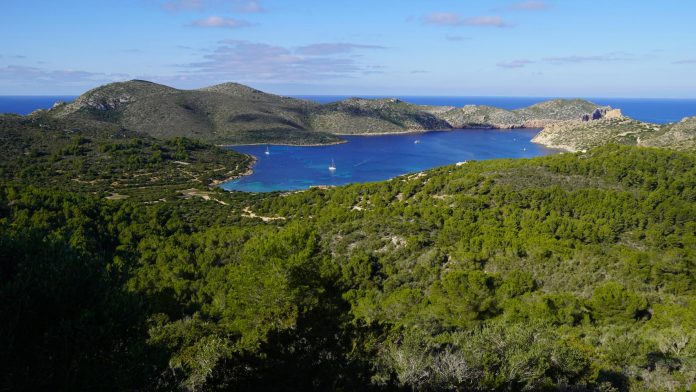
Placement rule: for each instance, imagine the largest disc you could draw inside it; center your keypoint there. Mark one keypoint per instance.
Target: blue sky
(588, 48)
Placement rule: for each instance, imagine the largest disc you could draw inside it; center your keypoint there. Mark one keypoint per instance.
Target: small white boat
(416, 142)
(333, 166)
(268, 152)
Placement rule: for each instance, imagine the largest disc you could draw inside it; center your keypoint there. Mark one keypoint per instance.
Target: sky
(545, 48)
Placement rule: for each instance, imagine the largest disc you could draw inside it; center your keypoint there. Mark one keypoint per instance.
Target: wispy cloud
(323, 49)
(252, 6)
(587, 59)
(182, 5)
(452, 19)
(531, 5)
(217, 21)
(24, 75)
(514, 64)
(243, 60)
(457, 38)
(573, 59)
(688, 61)
(419, 71)
(248, 6)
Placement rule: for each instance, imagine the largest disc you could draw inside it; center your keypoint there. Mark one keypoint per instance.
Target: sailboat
(268, 152)
(333, 165)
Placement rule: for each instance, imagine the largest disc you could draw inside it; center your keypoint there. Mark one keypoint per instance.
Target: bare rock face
(107, 103)
(613, 113)
(600, 113)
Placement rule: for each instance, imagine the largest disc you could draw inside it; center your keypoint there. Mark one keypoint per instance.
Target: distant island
(126, 266)
(232, 113)
(139, 139)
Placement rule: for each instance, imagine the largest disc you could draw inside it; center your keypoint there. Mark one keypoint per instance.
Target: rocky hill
(582, 135)
(360, 116)
(225, 114)
(232, 113)
(535, 116)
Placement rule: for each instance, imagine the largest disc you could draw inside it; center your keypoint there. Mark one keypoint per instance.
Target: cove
(376, 158)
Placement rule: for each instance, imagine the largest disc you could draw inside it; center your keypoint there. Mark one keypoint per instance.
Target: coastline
(250, 166)
(384, 133)
(282, 144)
(416, 131)
(249, 171)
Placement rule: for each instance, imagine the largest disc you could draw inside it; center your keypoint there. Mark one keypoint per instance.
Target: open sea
(645, 109)
(375, 158)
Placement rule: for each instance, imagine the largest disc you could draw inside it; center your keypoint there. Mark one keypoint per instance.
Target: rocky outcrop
(614, 128)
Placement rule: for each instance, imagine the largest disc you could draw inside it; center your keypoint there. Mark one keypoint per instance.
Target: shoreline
(249, 171)
(250, 167)
(283, 144)
(383, 133)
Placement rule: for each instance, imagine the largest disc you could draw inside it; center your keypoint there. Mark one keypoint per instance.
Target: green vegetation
(110, 160)
(231, 113)
(570, 272)
(224, 114)
(578, 135)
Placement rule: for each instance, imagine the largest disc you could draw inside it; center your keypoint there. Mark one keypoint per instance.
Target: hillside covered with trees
(565, 272)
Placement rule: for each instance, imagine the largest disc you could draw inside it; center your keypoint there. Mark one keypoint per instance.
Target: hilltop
(225, 114)
(232, 113)
(583, 135)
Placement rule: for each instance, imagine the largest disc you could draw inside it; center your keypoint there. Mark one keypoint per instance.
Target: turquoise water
(376, 158)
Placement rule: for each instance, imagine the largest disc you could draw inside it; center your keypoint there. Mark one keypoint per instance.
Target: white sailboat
(268, 152)
(333, 165)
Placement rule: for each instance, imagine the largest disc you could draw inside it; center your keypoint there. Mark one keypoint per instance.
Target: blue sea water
(645, 109)
(375, 158)
(24, 104)
(653, 110)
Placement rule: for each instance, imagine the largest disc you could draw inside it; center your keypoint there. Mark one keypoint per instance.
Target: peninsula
(232, 113)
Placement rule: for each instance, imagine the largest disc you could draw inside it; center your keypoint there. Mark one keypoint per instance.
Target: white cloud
(247, 6)
(530, 5)
(252, 6)
(217, 21)
(452, 19)
(323, 49)
(31, 78)
(182, 5)
(243, 60)
(514, 63)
